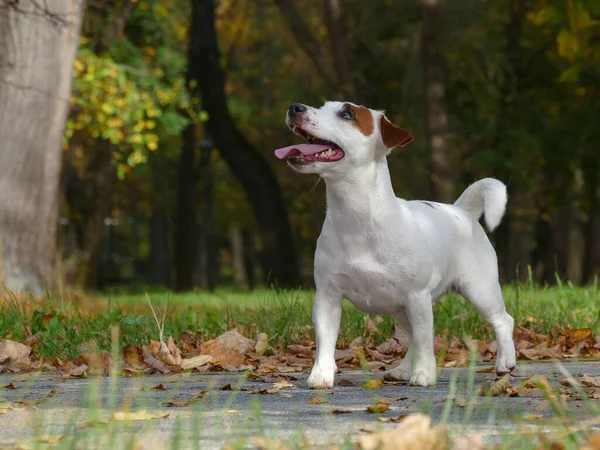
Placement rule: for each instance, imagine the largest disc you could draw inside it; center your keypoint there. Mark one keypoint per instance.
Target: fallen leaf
(10, 386)
(92, 424)
(132, 360)
(160, 387)
(227, 357)
(461, 401)
(266, 391)
(317, 401)
(341, 411)
(471, 442)
(593, 443)
(392, 419)
(231, 412)
(496, 388)
(589, 381)
(196, 361)
(14, 355)
(283, 384)
(372, 384)
(263, 443)
(137, 415)
(235, 341)
(22, 378)
(412, 433)
(171, 378)
(231, 387)
(379, 407)
(285, 394)
(345, 382)
(175, 403)
(262, 344)
(490, 369)
(98, 364)
(48, 439)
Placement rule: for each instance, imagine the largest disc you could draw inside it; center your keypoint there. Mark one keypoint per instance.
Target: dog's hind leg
(486, 297)
(404, 370)
(327, 315)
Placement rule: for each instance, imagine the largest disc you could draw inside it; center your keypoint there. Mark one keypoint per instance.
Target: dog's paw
(425, 373)
(321, 378)
(505, 363)
(400, 373)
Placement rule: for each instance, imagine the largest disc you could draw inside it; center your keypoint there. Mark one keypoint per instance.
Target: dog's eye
(347, 114)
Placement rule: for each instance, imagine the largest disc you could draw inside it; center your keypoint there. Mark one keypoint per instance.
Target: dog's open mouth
(317, 150)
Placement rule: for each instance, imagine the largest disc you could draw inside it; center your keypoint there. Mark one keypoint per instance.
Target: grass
(69, 322)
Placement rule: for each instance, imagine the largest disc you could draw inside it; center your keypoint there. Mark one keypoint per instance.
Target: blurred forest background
(137, 137)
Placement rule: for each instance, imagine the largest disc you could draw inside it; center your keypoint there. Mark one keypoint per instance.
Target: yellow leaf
(107, 108)
(568, 45)
(373, 384)
(317, 401)
(138, 415)
(150, 124)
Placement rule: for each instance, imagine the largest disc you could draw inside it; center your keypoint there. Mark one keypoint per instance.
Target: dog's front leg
(327, 315)
(419, 310)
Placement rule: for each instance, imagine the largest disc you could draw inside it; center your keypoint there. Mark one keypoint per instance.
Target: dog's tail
(488, 197)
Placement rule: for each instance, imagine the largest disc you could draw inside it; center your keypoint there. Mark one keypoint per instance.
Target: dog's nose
(296, 108)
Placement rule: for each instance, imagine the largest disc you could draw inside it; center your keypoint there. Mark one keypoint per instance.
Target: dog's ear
(392, 135)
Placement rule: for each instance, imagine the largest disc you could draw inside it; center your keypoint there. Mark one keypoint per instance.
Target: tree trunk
(340, 49)
(37, 48)
(158, 247)
(591, 259)
(186, 228)
(253, 172)
(249, 258)
(102, 183)
(237, 255)
(436, 119)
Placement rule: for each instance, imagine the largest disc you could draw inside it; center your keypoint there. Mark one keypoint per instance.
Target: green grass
(67, 322)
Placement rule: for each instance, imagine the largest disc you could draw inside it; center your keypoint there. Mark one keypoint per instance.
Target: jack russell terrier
(387, 255)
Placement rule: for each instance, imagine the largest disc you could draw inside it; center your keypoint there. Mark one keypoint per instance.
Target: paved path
(223, 416)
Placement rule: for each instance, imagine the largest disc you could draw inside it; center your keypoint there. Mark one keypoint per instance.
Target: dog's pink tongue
(305, 149)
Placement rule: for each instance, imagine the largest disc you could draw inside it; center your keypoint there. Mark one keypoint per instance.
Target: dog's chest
(371, 280)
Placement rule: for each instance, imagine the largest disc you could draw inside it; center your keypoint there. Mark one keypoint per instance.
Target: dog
(390, 256)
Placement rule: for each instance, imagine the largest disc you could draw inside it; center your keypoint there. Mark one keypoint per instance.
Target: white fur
(390, 256)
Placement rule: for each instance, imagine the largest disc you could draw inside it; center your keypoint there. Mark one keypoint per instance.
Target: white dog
(387, 255)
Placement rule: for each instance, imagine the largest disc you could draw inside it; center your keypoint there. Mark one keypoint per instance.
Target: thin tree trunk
(237, 255)
(158, 246)
(340, 49)
(102, 184)
(186, 227)
(36, 60)
(433, 63)
(249, 258)
(253, 172)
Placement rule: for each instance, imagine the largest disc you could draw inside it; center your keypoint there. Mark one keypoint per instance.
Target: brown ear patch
(392, 135)
(363, 119)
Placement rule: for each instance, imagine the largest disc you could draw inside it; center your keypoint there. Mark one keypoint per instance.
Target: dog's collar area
(317, 149)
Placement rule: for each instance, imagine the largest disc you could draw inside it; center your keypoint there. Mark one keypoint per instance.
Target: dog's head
(340, 135)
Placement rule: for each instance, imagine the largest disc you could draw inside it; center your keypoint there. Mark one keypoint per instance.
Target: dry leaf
(227, 357)
(392, 419)
(14, 355)
(160, 387)
(132, 360)
(588, 381)
(231, 412)
(471, 442)
(98, 364)
(461, 401)
(231, 387)
(345, 382)
(593, 443)
(233, 340)
(175, 403)
(171, 378)
(379, 407)
(496, 388)
(341, 411)
(196, 361)
(22, 378)
(137, 415)
(283, 384)
(285, 394)
(317, 401)
(266, 391)
(490, 369)
(262, 344)
(414, 432)
(10, 386)
(372, 384)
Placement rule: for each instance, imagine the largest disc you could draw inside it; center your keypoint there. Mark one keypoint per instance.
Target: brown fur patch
(392, 135)
(363, 119)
